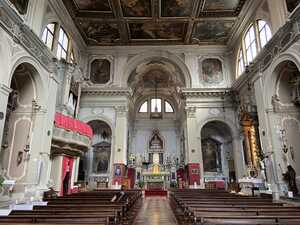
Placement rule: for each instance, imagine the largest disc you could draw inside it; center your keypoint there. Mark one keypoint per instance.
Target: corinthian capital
(191, 111)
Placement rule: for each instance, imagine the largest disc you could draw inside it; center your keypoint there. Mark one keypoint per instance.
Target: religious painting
(98, 32)
(156, 141)
(136, 8)
(162, 30)
(101, 157)
(118, 170)
(176, 8)
(93, 5)
(220, 5)
(21, 5)
(212, 71)
(100, 71)
(216, 31)
(211, 153)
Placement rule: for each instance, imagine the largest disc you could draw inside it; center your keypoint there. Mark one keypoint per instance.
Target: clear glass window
(241, 64)
(63, 43)
(168, 107)
(48, 35)
(155, 105)
(144, 107)
(265, 33)
(72, 58)
(250, 44)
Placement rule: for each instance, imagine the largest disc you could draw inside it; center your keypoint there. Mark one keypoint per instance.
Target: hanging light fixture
(156, 114)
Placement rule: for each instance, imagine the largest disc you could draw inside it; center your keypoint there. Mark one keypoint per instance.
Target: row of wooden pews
(199, 207)
(82, 208)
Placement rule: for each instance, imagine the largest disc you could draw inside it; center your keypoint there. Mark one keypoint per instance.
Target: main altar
(155, 170)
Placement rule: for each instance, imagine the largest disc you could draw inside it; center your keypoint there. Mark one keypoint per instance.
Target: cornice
(107, 91)
(200, 92)
(11, 22)
(283, 39)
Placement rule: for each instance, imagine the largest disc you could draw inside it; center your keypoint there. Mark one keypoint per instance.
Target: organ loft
(118, 112)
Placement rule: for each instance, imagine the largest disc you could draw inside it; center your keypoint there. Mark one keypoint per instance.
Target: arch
(233, 129)
(37, 72)
(163, 55)
(100, 118)
(272, 75)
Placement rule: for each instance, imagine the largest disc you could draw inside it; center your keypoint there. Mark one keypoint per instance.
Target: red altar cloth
(70, 124)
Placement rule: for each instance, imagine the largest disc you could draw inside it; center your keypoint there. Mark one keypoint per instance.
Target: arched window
(256, 37)
(156, 105)
(168, 107)
(250, 44)
(265, 33)
(48, 35)
(144, 107)
(72, 57)
(241, 64)
(63, 44)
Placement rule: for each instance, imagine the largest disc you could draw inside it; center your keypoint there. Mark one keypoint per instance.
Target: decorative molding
(5, 89)
(197, 92)
(107, 91)
(11, 22)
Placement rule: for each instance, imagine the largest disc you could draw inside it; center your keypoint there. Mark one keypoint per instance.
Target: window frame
(60, 46)
(167, 102)
(257, 42)
(147, 107)
(52, 33)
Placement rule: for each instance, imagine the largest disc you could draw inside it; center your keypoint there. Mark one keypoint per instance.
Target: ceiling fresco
(212, 31)
(152, 30)
(220, 5)
(176, 8)
(152, 22)
(136, 8)
(93, 5)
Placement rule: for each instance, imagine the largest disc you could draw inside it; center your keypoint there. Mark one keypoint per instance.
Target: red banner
(70, 124)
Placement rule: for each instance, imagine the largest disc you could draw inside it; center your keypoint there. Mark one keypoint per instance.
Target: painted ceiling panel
(177, 8)
(93, 5)
(130, 22)
(136, 8)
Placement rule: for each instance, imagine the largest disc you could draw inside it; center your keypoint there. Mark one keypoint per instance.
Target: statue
(290, 178)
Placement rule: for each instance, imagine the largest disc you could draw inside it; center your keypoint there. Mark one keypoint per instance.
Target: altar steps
(156, 192)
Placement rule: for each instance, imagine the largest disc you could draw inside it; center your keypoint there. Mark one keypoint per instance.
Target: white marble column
(240, 168)
(4, 93)
(121, 133)
(39, 164)
(268, 137)
(194, 152)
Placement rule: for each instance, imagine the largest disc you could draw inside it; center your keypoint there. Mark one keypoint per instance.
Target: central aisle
(156, 211)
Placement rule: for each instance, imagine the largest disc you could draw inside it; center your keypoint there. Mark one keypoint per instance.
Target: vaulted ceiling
(146, 22)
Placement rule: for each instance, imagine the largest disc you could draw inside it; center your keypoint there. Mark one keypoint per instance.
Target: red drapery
(70, 124)
(131, 176)
(67, 164)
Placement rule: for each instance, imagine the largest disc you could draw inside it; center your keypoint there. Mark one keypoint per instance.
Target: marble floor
(155, 211)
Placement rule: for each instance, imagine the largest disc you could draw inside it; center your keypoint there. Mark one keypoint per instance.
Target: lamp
(156, 114)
